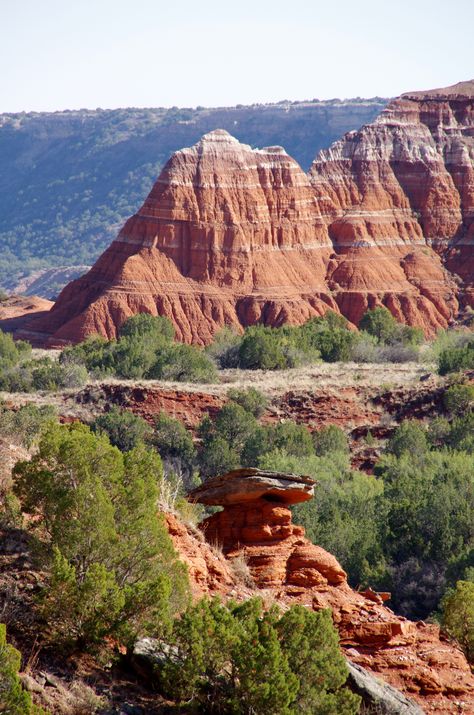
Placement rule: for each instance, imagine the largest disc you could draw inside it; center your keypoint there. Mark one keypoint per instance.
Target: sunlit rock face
(255, 527)
(231, 235)
(396, 194)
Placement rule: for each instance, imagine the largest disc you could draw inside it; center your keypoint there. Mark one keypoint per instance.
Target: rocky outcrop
(392, 192)
(18, 309)
(231, 235)
(287, 567)
(376, 693)
(250, 484)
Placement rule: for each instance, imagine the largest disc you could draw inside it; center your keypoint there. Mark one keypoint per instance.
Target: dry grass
(276, 382)
(322, 376)
(241, 571)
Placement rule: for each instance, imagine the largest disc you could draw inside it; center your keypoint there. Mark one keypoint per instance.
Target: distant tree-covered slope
(69, 179)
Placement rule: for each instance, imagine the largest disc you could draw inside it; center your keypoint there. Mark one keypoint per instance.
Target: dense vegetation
(242, 659)
(14, 700)
(110, 571)
(69, 179)
(19, 372)
(91, 505)
(91, 495)
(380, 339)
(145, 349)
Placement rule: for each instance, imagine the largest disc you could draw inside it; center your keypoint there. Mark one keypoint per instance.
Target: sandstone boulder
(245, 485)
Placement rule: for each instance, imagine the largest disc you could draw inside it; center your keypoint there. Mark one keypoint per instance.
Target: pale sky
(68, 54)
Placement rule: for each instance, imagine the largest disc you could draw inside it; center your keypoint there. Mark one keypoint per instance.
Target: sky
(71, 54)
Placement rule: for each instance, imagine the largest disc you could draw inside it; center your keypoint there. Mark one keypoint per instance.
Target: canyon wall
(231, 235)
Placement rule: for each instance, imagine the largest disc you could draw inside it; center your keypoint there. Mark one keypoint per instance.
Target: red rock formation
(209, 572)
(391, 193)
(16, 310)
(231, 235)
(228, 235)
(284, 564)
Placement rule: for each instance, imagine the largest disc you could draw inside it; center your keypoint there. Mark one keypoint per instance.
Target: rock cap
(244, 485)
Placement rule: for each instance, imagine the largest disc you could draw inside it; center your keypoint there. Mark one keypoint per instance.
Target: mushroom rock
(255, 523)
(229, 235)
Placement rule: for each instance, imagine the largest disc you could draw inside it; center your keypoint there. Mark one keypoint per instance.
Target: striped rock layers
(228, 235)
(231, 235)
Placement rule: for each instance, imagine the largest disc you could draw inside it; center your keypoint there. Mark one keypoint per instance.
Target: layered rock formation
(231, 235)
(256, 524)
(228, 235)
(392, 191)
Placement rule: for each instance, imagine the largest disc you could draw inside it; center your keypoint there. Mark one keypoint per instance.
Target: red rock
(290, 569)
(393, 193)
(231, 235)
(17, 310)
(228, 235)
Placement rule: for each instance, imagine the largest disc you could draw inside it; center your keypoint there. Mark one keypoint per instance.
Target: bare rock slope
(231, 235)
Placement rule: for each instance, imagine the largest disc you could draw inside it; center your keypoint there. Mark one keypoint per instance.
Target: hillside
(230, 235)
(69, 179)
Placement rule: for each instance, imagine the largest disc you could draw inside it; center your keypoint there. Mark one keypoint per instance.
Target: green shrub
(458, 616)
(461, 433)
(175, 446)
(425, 523)
(224, 349)
(454, 359)
(311, 645)
(242, 660)
(234, 424)
(13, 699)
(172, 439)
(262, 349)
(113, 567)
(124, 429)
(185, 363)
(292, 437)
(329, 336)
(411, 438)
(26, 423)
(343, 517)
(381, 324)
(330, 439)
(217, 456)
(459, 399)
(145, 349)
(144, 325)
(251, 400)
(132, 358)
(95, 353)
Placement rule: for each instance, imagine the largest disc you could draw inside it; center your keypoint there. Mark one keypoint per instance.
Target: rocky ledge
(246, 485)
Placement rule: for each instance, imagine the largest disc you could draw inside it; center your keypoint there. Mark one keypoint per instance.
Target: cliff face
(392, 191)
(231, 235)
(228, 235)
(255, 525)
(69, 179)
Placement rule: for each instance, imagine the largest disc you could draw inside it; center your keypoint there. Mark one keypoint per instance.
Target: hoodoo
(231, 235)
(256, 523)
